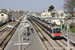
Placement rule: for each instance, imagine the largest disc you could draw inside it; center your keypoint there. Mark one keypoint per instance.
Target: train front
(57, 32)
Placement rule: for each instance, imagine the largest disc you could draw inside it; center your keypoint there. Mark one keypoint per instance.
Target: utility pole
(19, 38)
(22, 39)
(12, 17)
(68, 42)
(61, 20)
(8, 18)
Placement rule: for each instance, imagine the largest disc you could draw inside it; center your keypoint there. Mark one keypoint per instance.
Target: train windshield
(57, 30)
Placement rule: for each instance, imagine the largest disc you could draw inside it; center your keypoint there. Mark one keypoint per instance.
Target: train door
(50, 30)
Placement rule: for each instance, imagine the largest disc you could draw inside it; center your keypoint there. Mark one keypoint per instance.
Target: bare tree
(68, 4)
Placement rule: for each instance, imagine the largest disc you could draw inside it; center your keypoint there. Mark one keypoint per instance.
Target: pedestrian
(28, 29)
(32, 29)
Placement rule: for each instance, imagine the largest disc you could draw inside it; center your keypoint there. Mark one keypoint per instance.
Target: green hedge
(72, 30)
(71, 26)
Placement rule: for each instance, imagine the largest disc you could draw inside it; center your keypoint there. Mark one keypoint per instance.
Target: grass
(72, 30)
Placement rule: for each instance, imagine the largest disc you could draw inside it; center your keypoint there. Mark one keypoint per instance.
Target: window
(50, 30)
(2, 14)
(56, 30)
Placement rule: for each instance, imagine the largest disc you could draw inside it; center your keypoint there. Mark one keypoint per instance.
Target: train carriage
(3, 18)
(56, 32)
(53, 31)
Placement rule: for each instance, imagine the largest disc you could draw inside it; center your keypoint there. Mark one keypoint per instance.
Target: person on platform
(32, 30)
(28, 29)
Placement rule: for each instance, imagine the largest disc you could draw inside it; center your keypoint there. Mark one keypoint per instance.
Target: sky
(31, 5)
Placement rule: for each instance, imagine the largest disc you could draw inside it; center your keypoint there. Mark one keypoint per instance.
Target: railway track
(48, 42)
(7, 33)
(4, 26)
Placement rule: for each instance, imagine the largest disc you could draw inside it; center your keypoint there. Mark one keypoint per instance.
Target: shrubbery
(71, 26)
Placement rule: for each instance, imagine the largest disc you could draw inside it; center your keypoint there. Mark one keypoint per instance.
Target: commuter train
(56, 32)
(53, 31)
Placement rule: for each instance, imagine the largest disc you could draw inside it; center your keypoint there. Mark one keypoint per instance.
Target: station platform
(31, 42)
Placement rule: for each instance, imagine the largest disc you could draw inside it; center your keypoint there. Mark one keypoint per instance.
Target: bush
(71, 26)
(53, 14)
(65, 27)
(62, 26)
(72, 30)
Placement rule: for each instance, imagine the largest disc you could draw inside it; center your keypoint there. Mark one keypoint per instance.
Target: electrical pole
(22, 39)
(61, 20)
(8, 18)
(12, 17)
(68, 42)
(19, 38)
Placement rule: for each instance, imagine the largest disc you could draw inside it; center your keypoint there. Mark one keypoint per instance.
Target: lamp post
(23, 35)
(68, 42)
(7, 18)
(19, 38)
(12, 17)
(22, 24)
(22, 39)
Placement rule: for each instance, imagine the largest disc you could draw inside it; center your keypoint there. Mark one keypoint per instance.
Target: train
(53, 31)
(4, 18)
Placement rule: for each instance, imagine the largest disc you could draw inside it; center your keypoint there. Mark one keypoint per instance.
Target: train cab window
(2, 14)
(56, 30)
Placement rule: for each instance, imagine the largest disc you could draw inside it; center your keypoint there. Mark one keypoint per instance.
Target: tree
(51, 8)
(68, 4)
(53, 14)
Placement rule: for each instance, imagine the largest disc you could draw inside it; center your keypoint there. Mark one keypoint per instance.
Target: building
(60, 14)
